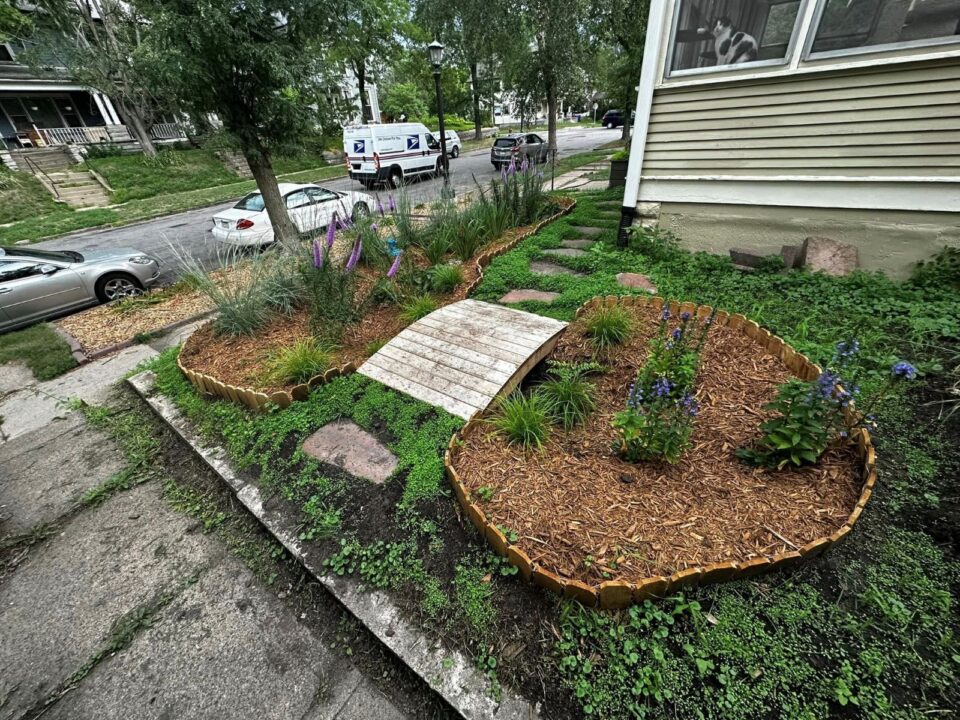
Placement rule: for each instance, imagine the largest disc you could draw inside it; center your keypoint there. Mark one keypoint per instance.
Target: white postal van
(390, 153)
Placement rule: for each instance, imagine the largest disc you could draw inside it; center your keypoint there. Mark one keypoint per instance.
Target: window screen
(847, 24)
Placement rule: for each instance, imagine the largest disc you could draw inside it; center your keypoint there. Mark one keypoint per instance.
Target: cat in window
(731, 45)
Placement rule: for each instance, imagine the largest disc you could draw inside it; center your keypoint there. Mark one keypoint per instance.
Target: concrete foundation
(887, 240)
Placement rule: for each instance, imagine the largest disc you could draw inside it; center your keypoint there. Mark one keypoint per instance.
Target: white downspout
(648, 80)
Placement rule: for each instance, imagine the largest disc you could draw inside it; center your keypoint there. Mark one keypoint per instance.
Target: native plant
(658, 420)
(813, 415)
(607, 326)
(445, 278)
(568, 392)
(417, 307)
(299, 362)
(524, 419)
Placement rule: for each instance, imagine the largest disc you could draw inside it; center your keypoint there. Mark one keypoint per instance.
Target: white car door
(324, 204)
(299, 207)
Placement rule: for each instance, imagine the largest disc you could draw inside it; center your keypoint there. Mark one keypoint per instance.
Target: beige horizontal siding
(878, 122)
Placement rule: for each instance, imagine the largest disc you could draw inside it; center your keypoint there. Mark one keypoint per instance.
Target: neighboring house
(838, 118)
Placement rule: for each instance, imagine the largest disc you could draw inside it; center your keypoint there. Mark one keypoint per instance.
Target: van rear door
(358, 145)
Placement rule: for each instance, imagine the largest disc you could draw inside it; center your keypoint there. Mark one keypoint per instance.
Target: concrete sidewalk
(129, 609)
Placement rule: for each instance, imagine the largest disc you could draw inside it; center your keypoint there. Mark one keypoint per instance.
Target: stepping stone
(578, 243)
(542, 267)
(352, 449)
(588, 230)
(830, 256)
(565, 252)
(636, 281)
(519, 296)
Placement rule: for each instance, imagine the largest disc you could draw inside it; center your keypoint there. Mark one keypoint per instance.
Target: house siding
(902, 121)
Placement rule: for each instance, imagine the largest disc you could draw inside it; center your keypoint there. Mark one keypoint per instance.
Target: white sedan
(311, 207)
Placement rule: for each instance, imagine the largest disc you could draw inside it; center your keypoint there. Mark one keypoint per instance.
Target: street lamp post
(436, 59)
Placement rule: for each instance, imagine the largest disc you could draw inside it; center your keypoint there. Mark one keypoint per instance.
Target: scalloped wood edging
(617, 594)
(256, 400)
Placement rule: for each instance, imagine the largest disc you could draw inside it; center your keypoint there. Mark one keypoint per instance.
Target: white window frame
(13, 55)
(809, 54)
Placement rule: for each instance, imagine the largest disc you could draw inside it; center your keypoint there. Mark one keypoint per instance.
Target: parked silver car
(517, 145)
(38, 284)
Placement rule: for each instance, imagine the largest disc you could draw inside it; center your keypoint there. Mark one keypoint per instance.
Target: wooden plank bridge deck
(465, 355)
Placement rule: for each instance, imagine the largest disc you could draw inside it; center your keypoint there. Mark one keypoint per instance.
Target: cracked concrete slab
(13, 376)
(57, 609)
(44, 473)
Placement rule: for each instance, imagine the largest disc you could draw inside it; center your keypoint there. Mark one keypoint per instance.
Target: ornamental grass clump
(607, 327)
(417, 307)
(300, 362)
(445, 278)
(658, 420)
(569, 393)
(813, 415)
(524, 419)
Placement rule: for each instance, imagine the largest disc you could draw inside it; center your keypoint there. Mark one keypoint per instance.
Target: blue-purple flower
(661, 387)
(690, 405)
(685, 316)
(676, 334)
(665, 314)
(904, 371)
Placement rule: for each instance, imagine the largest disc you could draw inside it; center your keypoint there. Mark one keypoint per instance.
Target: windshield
(55, 255)
(253, 201)
(505, 142)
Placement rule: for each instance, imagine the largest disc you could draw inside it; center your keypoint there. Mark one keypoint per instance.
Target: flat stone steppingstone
(348, 446)
(578, 243)
(519, 296)
(588, 230)
(542, 267)
(636, 281)
(565, 252)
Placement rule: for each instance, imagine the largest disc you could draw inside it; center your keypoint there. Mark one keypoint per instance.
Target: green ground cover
(868, 630)
(40, 348)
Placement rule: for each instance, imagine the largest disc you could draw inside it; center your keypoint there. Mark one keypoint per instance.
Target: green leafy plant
(524, 419)
(657, 244)
(416, 308)
(300, 362)
(943, 269)
(445, 278)
(607, 326)
(569, 393)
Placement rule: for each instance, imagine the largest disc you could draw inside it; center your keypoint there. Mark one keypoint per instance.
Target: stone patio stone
(831, 256)
(519, 296)
(578, 243)
(348, 446)
(542, 267)
(637, 282)
(565, 252)
(588, 230)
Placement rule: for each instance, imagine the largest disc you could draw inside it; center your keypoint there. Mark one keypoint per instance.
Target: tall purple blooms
(392, 204)
(392, 272)
(380, 209)
(354, 256)
(331, 231)
(318, 255)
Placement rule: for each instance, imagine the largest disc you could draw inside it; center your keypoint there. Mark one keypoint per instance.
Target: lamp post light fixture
(436, 59)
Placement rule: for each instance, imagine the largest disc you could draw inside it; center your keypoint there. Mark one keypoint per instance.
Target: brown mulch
(582, 512)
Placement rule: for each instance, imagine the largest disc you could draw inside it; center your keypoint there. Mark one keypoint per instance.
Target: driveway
(190, 231)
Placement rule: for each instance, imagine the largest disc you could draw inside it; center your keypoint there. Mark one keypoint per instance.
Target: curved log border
(616, 594)
(256, 400)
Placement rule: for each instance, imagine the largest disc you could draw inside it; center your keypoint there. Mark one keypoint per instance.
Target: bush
(524, 420)
(300, 362)
(569, 394)
(445, 278)
(417, 307)
(943, 269)
(607, 326)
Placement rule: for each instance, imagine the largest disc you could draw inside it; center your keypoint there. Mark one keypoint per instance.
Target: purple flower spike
(354, 257)
(904, 371)
(380, 209)
(317, 255)
(665, 315)
(331, 232)
(676, 334)
(685, 316)
(395, 267)
(373, 226)
(392, 204)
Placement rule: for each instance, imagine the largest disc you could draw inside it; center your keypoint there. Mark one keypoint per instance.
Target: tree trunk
(284, 231)
(477, 120)
(551, 114)
(361, 73)
(625, 135)
(138, 127)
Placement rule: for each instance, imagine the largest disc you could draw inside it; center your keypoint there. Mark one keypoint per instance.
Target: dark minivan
(612, 119)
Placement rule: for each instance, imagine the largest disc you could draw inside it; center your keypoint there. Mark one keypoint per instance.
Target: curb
(450, 674)
(75, 348)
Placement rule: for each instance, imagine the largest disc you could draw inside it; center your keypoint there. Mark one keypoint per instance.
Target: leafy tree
(623, 26)
(256, 64)
(99, 43)
(404, 98)
(12, 21)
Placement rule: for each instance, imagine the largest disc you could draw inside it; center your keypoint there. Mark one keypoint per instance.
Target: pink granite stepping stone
(637, 282)
(541, 267)
(351, 448)
(519, 296)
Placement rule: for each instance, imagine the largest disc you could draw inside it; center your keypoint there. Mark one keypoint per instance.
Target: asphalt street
(173, 236)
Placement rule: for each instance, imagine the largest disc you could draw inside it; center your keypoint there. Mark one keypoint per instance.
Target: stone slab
(791, 255)
(450, 674)
(542, 267)
(578, 243)
(13, 376)
(830, 256)
(177, 336)
(59, 606)
(588, 230)
(224, 648)
(747, 257)
(44, 473)
(519, 296)
(636, 281)
(566, 252)
(351, 448)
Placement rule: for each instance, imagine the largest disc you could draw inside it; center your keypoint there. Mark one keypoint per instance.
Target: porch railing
(167, 131)
(75, 135)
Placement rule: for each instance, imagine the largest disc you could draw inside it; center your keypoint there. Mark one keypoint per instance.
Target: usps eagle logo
(413, 142)
(359, 146)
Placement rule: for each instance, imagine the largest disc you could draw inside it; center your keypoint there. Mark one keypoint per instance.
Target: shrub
(655, 243)
(569, 394)
(608, 326)
(942, 269)
(445, 278)
(417, 307)
(300, 362)
(524, 420)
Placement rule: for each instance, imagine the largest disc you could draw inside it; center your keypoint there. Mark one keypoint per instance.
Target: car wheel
(360, 209)
(609, 126)
(455, 153)
(116, 286)
(396, 177)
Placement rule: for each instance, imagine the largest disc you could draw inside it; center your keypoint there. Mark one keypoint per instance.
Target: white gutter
(648, 80)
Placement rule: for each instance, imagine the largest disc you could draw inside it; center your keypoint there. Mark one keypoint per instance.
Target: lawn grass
(22, 196)
(867, 630)
(134, 177)
(40, 348)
